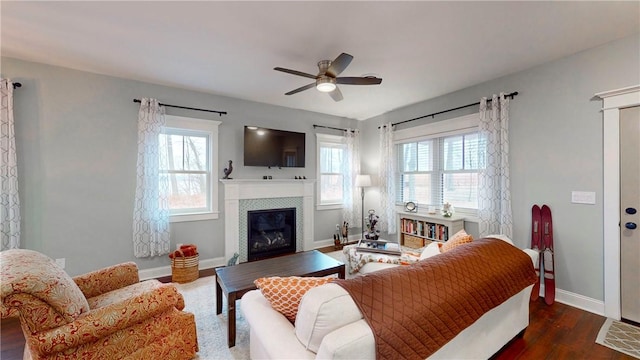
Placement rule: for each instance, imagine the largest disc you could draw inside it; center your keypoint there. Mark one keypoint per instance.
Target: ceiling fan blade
(368, 80)
(295, 72)
(336, 94)
(339, 64)
(306, 87)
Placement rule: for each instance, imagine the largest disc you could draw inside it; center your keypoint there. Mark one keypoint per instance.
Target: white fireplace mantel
(242, 189)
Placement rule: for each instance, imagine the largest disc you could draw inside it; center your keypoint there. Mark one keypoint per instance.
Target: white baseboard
(577, 301)
(154, 273)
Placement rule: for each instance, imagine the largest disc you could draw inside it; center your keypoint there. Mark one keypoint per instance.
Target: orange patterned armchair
(105, 314)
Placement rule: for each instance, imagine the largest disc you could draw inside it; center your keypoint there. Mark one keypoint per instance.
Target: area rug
(200, 299)
(620, 337)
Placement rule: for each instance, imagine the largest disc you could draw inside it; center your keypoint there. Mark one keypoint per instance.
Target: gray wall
(76, 137)
(555, 147)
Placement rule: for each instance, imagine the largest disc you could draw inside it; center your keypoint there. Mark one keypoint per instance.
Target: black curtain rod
(512, 95)
(16, 85)
(330, 127)
(188, 108)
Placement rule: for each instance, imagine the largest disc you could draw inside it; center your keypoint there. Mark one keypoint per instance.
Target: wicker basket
(413, 241)
(184, 269)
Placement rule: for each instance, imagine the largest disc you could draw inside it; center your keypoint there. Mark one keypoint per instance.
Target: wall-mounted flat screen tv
(273, 148)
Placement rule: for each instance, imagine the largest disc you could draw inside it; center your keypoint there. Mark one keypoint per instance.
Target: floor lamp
(363, 181)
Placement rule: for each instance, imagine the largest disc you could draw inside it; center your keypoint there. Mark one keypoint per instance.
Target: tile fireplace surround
(248, 194)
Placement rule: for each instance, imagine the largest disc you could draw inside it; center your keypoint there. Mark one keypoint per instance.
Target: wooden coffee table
(237, 280)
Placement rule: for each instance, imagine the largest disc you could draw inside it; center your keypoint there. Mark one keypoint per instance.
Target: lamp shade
(363, 180)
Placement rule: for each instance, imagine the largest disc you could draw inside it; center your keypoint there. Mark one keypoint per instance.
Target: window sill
(194, 217)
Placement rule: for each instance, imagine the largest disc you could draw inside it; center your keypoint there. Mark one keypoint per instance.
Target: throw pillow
(459, 238)
(430, 250)
(323, 310)
(284, 293)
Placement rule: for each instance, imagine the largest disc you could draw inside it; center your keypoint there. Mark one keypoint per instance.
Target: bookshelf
(418, 230)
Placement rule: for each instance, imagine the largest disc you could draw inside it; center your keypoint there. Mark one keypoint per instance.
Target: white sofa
(330, 326)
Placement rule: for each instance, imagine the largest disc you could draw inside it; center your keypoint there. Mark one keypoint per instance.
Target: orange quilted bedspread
(414, 310)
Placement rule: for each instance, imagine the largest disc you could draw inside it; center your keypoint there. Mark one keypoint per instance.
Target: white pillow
(322, 310)
(533, 254)
(430, 250)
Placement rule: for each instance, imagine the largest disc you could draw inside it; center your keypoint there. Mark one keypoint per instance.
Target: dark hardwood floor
(559, 332)
(555, 332)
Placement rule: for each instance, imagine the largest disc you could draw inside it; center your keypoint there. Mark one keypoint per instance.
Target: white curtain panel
(494, 194)
(9, 199)
(151, 209)
(351, 212)
(387, 175)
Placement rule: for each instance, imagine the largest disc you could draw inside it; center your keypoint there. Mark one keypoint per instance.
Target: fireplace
(270, 233)
(244, 195)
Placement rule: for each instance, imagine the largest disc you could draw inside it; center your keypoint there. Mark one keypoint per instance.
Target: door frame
(613, 101)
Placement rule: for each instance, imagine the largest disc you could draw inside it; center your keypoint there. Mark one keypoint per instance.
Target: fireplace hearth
(271, 233)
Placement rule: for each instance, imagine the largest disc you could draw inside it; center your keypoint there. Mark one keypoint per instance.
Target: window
(331, 155)
(188, 174)
(462, 159)
(440, 162)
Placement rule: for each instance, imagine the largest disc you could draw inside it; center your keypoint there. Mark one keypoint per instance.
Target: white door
(630, 213)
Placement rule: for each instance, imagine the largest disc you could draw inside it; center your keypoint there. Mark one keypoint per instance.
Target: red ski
(536, 245)
(547, 238)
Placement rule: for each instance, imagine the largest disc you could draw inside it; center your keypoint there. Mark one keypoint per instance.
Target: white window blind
(441, 169)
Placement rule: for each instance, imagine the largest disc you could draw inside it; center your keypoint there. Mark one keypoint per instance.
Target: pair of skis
(542, 242)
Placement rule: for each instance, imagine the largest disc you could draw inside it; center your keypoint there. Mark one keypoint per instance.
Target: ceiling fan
(327, 77)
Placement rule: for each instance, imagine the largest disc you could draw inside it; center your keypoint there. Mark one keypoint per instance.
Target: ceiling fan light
(325, 85)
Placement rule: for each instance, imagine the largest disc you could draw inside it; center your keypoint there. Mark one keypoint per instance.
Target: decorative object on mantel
(228, 170)
(447, 209)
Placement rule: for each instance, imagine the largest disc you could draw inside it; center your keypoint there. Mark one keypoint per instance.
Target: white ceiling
(420, 49)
